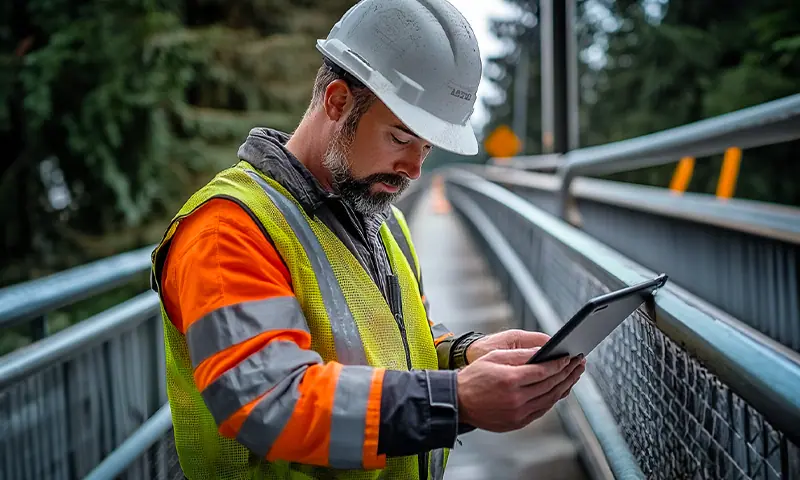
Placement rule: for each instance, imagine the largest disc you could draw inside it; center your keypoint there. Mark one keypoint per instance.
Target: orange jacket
(219, 257)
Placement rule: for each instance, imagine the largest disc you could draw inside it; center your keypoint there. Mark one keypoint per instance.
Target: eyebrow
(406, 130)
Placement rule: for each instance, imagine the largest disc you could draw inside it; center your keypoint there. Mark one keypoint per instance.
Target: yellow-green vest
(322, 270)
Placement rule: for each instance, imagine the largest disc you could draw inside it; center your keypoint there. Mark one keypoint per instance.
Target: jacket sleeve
(226, 288)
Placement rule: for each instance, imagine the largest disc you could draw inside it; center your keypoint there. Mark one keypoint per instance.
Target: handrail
(766, 378)
(22, 363)
(768, 123)
(765, 124)
(134, 446)
(763, 219)
(546, 162)
(617, 454)
(31, 299)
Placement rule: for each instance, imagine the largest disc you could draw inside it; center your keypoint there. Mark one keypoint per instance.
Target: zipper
(396, 306)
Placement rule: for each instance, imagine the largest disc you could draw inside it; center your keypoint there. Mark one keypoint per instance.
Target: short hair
(363, 97)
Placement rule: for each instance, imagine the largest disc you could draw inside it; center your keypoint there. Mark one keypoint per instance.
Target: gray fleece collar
(265, 149)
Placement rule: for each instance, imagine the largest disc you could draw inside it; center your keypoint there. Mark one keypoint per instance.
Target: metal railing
(69, 400)
(691, 393)
(741, 256)
(30, 302)
(91, 399)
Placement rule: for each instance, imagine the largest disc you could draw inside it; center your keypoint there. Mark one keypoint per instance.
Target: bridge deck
(464, 296)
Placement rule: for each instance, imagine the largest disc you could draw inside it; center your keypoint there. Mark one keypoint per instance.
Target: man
(296, 329)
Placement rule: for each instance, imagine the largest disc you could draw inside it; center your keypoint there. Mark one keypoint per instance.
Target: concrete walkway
(465, 297)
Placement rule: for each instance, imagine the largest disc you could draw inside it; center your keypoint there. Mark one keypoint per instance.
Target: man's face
(373, 162)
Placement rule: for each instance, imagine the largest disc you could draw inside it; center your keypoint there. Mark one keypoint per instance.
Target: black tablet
(596, 320)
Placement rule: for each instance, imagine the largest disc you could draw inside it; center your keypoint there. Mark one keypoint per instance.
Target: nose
(411, 163)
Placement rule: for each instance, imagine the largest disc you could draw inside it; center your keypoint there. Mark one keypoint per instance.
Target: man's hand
(507, 340)
(499, 392)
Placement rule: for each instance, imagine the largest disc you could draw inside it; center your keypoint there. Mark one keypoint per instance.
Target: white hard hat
(421, 58)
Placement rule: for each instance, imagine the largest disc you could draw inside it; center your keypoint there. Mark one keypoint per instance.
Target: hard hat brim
(459, 139)
(453, 137)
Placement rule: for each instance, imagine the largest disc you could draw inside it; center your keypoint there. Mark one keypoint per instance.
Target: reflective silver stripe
(349, 417)
(255, 376)
(438, 330)
(233, 324)
(402, 241)
(437, 464)
(270, 415)
(346, 338)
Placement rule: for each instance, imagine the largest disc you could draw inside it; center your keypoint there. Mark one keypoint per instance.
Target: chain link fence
(679, 420)
(69, 400)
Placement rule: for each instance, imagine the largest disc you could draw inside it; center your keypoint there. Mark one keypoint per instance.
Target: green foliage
(121, 109)
(666, 63)
(113, 113)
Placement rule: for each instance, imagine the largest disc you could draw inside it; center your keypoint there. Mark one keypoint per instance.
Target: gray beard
(355, 192)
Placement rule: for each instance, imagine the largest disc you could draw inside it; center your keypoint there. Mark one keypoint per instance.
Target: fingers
(518, 356)
(545, 394)
(563, 389)
(529, 375)
(525, 339)
(566, 394)
(547, 382)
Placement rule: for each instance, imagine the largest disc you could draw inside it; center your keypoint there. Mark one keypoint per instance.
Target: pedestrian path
(464, 296)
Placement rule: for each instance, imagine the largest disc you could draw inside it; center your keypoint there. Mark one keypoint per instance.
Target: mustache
(391, 179)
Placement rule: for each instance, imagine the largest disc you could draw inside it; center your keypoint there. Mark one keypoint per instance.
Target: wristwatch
(458, 357)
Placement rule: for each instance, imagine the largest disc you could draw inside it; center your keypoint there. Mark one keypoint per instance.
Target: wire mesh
(60, 422)
(159, 462)
(679, 420)
(753, 277)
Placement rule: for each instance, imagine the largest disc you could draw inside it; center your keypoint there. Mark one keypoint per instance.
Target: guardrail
(765, 124)
(742, 256)
(692, 395)
(32, 301)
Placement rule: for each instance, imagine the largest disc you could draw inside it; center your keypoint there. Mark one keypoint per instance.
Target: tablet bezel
(549, 349)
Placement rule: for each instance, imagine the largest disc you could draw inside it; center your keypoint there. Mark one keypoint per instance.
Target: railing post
(559, 76)
(567, 209)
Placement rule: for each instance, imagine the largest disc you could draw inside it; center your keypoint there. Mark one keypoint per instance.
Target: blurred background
(112, 113)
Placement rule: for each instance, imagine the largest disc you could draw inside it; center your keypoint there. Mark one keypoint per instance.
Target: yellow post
(683, 175)
(729, 173)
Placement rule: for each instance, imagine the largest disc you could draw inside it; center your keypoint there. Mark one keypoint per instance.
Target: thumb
(516, 356)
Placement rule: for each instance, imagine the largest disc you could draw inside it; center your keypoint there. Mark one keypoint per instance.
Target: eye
(398, 141)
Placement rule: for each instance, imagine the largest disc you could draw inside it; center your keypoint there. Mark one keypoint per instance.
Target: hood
(265, 149)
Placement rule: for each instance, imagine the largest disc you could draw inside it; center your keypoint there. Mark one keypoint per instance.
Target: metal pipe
(22, 363)
(621, 461)
(555, 30)
(32, 299)
(766, 220)
(521, 83)
(766, 378)
(765, 124)
(134, 446)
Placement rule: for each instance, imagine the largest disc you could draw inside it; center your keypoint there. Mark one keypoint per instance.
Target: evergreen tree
(113, 112)
(649, 65)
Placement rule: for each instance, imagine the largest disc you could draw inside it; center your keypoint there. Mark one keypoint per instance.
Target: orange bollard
(440, 204)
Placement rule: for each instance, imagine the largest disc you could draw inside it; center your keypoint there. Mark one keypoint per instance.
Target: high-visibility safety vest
(347, 317)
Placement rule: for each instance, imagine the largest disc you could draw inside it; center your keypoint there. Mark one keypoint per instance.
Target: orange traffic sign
(502, 142)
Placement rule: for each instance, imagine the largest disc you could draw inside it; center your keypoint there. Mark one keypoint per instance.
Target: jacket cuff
(444, 353)
(419, 412)
(443, 403)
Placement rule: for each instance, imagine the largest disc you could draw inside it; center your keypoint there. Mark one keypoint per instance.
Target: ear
(337, 99)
